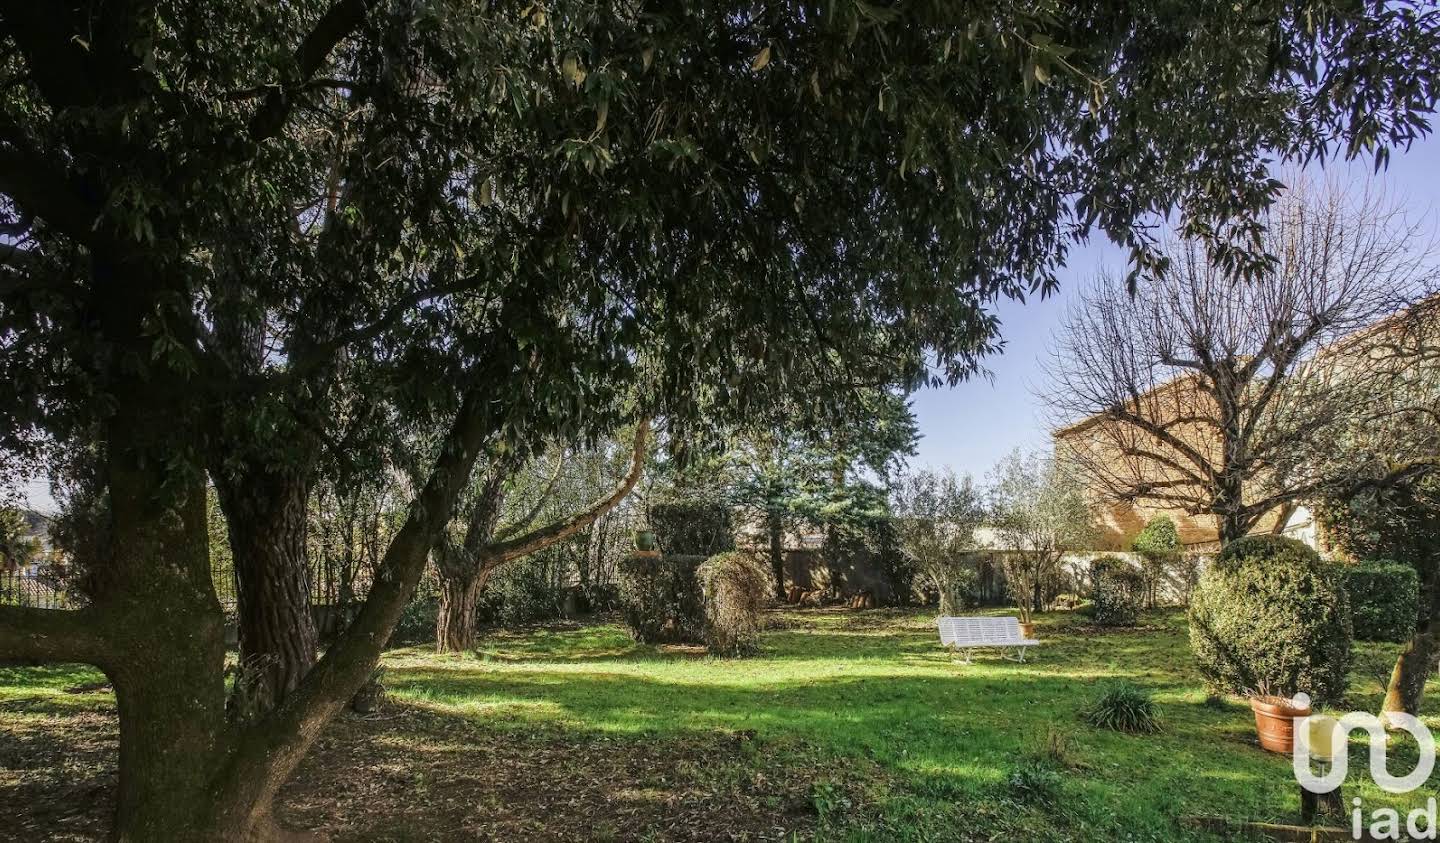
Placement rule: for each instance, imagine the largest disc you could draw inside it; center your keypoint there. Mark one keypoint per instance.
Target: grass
(848, 726)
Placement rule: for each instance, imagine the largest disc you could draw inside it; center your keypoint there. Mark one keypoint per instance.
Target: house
(1135, 474)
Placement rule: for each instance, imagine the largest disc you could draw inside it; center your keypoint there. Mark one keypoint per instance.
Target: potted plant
(645, 540)
(1275, 716)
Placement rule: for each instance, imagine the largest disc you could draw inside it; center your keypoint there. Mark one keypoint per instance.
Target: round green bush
(660, 598)
(1117, 591)
(736, 588)
(1384, 599)
(1268, 617)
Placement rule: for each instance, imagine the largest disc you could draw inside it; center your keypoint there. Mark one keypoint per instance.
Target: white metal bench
(966, 635)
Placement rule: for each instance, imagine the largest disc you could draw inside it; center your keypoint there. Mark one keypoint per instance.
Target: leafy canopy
(560, 200)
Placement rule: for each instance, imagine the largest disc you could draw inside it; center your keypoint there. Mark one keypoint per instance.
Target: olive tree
(507, 222)
(1039, 512)
(936, 515)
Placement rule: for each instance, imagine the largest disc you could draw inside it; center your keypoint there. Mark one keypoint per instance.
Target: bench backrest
(969, 632)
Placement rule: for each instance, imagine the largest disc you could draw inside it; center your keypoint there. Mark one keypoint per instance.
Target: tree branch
(337, 24)
(501, 552)
(50, 635)
(522, 523)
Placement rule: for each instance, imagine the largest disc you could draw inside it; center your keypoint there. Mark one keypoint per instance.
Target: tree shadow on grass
(949, 734)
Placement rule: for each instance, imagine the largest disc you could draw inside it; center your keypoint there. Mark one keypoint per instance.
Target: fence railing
(34, 590)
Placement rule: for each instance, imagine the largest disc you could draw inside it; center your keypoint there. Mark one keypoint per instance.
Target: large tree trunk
(777, 554)
(265, 511)
(455, 623)
(1416, 662)
(1413, 667)
(167, 635)
(155, 614)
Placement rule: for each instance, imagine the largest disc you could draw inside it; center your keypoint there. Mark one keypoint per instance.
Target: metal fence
(33, 589)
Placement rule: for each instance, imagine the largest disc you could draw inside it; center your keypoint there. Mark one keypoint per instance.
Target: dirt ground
(412, 773)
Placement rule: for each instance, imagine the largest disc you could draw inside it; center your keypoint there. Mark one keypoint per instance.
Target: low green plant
(1034, 780)
(1384, 598)
(1124, 707)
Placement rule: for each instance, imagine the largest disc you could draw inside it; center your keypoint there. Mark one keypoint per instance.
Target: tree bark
(267, 751)
(777, 554)
(1416, 661)
(465, 567)
(455, 624)
(1413, 667)
(265, 512)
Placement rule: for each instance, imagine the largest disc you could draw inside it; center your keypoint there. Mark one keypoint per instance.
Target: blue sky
(971, 426)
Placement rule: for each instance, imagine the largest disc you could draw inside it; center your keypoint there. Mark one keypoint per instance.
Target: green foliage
(1159, 539)
(1394, 522)
(660, 598)
(1117, 591)
(1269, 617)
(1036, 781)
(1124, 707)
(524, 591)
(693, 528)
(1384, 599)
(18, 546)
(736, 588)
(1039, 511)
(871, 545)
(417, 621)
(936, 516)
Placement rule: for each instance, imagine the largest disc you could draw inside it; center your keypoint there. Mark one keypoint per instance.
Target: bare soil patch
(417, 773)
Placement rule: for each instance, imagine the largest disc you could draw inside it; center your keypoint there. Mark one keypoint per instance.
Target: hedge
(1117, 591)
(1384, 599)
(693, 528)
(660, 598)
(1268, 617)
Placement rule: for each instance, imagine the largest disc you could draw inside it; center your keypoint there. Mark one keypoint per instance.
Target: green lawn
(861, 718)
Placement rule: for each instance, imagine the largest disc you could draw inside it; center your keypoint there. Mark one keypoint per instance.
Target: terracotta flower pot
(1275, 722)
(1027, 630)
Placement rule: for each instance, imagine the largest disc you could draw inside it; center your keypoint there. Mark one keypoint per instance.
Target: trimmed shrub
(1124, 707)
(693, 528)
(1269, 617)
(1117, 591)
(1158, 540)
(1384, 599)
(660, 598)
(736, 588)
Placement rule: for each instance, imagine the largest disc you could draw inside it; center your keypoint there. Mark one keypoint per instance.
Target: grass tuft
(1124, 707)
